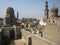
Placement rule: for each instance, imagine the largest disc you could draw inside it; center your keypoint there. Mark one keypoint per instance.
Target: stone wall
(52, 33)
(37, 40)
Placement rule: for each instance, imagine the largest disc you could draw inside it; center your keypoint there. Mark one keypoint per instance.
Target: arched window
(53, 21)
(49, 21)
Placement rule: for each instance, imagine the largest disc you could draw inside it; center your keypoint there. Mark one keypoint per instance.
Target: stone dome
(10, 10)
(54, 9)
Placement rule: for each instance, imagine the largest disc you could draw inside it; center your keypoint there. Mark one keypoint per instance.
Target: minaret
(46, 10)
(17, 15)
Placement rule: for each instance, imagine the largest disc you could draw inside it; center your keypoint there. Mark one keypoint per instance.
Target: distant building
(41, 22)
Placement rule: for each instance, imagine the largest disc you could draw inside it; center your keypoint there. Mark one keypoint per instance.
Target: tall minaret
(46, 10)
(17, 15)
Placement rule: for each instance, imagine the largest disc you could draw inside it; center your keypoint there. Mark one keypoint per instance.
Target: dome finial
(54, 4)
(46, 0)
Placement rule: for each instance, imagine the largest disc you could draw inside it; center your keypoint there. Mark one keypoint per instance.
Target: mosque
(51, 22)
(52, 29)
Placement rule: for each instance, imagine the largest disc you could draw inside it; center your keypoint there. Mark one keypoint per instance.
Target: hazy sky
(27, 8)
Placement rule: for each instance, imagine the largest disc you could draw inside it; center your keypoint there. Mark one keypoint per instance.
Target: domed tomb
(10, 10)
(10, 17)
(54, 11)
